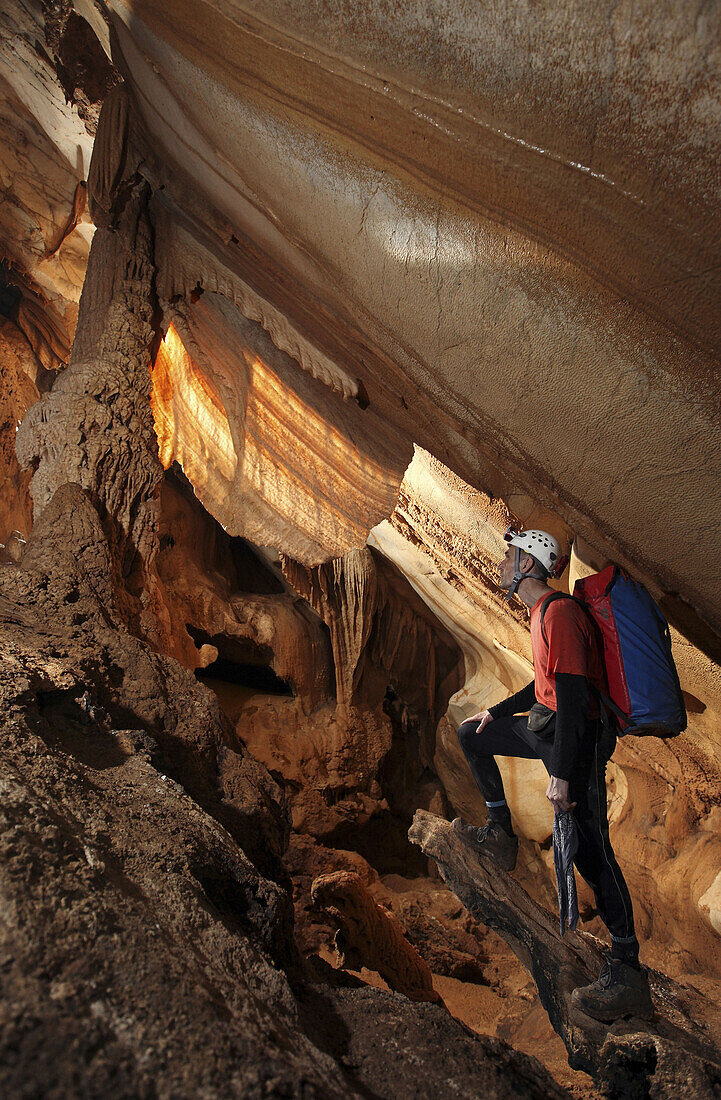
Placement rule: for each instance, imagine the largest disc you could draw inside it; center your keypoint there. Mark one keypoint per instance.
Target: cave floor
(504, 1005)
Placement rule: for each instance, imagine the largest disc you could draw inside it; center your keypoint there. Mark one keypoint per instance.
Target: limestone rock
(368, 935)
(375, 621)
(452, 942)
(327, 236)
(444, 537)
(68, 591)
(427, 1045)
(18, 371)
(480, 317)
(218, 592)
(108, 167)
(344, 595)
(95, 427)
(256, 434)
(142, 950)
(367, 755)
(305, 859)
(44, 158)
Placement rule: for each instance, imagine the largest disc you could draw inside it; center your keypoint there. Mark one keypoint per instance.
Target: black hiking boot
(620, 990)
(490, 840)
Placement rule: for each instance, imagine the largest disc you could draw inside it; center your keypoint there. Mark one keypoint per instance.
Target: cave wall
(18, 370)
(54, 77)
(284, 200)
(316, 301)
(663, 794)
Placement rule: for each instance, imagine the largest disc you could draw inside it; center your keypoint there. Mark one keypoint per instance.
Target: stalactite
(343, 593)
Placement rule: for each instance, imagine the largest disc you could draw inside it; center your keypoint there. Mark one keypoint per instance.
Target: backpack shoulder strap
(608, 706)
(560, 596)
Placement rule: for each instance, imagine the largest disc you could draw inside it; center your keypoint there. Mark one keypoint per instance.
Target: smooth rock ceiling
(415, 268)
(503, 227)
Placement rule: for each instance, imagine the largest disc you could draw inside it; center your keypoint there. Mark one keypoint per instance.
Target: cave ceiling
(515, 262)
(489, 235)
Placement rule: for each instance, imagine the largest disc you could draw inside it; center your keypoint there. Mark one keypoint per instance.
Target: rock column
(95, 428)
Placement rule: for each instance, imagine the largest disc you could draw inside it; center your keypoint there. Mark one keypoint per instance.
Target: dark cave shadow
(66, 726)
(321, 1021)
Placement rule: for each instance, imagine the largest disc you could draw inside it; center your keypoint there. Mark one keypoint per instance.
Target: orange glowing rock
(268, 453)
(190, 420)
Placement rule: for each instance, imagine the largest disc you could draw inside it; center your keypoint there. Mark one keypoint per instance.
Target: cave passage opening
(240, 662)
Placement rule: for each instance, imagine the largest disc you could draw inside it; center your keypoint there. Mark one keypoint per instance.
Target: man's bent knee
(467, 735)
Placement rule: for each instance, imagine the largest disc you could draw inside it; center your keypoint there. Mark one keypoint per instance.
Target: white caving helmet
(541, 546)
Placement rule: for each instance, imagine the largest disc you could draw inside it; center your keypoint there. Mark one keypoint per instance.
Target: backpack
(644, 693)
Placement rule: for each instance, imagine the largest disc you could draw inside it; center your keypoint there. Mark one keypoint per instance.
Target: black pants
(595, 860)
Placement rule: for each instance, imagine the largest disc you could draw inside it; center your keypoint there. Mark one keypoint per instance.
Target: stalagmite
(95, 429)
(369, 936)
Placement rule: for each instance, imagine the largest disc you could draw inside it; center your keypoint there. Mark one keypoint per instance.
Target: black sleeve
(572, 702)
(516, 704)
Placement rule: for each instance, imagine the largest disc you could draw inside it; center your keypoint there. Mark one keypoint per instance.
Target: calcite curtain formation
(257, 437)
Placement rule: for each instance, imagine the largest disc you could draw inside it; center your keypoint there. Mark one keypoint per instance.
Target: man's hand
(483, 718)
(557, 795)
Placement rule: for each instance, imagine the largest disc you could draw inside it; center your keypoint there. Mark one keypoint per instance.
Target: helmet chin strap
(518, 576)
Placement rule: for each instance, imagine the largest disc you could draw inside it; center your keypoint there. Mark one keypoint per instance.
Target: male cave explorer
(564, 730)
